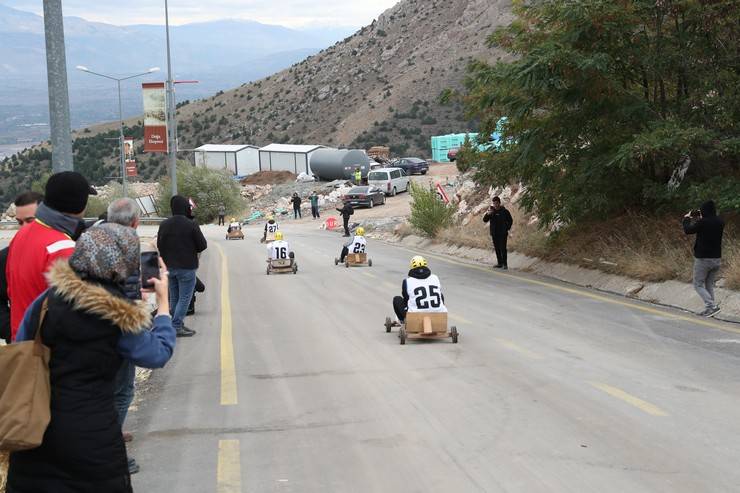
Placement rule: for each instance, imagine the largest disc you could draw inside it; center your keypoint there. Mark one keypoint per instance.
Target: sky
(289, 13)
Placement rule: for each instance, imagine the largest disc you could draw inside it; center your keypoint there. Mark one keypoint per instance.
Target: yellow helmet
(360, 231)
(278, 235)
(419, 261)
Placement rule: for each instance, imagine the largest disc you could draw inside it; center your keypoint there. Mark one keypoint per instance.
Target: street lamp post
(124, 181)
(171, 109)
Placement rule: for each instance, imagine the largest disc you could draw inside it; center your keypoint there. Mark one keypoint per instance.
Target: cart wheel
(295, 269)
(268, 271)
(388, 324)
(346, 263)
(227, 237)
(336, 261)
(402, 335)
(453, 333)
(369, 262)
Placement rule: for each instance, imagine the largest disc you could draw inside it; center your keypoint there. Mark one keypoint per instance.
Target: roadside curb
(673, 294)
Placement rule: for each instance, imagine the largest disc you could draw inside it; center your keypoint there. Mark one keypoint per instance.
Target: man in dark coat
(708, 228)
(179, 242)
(500, 221)
(346, 211)
(296, 201)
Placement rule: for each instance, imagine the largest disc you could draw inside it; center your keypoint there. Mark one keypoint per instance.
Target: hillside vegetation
(613, 105)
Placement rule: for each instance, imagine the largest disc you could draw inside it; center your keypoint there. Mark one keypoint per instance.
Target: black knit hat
(67, 192)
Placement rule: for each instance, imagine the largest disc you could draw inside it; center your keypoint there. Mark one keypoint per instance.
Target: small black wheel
(346, 263)
(382, 202)
(336, 261)
(402, 335)
(388, 324)
(268, 271)
(369, 262)
(454, 334)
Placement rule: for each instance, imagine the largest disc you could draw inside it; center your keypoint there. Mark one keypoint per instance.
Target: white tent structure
(287, 157)
(241, 159)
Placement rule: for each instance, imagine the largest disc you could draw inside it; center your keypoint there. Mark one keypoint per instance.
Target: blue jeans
(124, 389)
(182, 286)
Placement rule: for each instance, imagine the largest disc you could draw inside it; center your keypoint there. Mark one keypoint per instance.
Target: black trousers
(345, 220)
(400, 307)
(315, 211)
(221, 220)
(343, 256)
(499, 245)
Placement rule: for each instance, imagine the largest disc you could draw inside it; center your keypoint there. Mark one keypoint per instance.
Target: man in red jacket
(51, 236)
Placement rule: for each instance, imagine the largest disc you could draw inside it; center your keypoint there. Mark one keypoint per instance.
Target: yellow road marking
(229, 475)
(369, 275)
(630, 399)
(460, 320)
(517, 348)
(586, 294)
(228, 365)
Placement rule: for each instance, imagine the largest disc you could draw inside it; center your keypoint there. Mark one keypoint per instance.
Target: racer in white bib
(356, 244)
(279, 249)
(421, 291)
(271, 227)
(234, 225)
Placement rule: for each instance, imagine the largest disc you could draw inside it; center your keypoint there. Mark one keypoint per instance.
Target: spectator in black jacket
(346, 211)
(179, 242)
(708, 228)
(25, 213)
(500, 221)
(296, 201)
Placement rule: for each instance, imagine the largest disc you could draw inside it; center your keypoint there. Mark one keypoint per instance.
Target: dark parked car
(365, 197)
(412, 165)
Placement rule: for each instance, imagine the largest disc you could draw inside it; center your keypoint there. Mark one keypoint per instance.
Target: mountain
(381, 85)
(220, 54)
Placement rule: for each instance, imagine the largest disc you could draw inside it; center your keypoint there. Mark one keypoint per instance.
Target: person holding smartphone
(708, 228)
(500, 221)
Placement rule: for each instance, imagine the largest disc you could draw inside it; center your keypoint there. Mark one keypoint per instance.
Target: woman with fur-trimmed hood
(83, 449)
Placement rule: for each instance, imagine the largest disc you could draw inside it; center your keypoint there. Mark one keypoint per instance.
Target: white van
(390, 180)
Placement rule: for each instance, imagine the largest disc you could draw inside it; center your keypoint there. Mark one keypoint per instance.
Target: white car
(390, 180)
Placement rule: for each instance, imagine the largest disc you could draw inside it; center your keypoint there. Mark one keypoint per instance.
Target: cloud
(291, 13)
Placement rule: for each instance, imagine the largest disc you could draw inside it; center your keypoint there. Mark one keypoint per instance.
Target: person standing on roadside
(500, 221)
(25, 213)
(296, 201)
(50, 236)
(708, 228)
(358, 176)
(179, 242)
(346, 211)
(221, 215)
(314, 199)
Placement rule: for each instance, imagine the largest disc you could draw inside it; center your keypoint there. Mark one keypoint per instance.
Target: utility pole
(56, 69)
(171, 110)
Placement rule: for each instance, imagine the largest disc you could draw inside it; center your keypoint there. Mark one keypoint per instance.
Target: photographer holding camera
(708, 228)
(500, 222)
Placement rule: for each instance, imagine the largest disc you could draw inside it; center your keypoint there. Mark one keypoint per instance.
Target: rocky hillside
(380, 86)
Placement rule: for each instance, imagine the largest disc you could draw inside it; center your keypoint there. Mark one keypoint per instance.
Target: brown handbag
(25, 392)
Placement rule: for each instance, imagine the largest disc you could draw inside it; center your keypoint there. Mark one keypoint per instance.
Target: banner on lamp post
(155, 117)
(128, 156)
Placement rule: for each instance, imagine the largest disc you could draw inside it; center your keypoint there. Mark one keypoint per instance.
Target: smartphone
(149, 268)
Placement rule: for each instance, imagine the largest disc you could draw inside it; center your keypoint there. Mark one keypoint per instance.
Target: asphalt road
(292, 385)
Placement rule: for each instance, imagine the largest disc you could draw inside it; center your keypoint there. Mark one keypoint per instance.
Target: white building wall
(283, 161)
(248, 162)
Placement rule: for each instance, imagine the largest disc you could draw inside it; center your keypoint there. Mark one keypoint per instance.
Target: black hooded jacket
(180, 239)
(708, 230)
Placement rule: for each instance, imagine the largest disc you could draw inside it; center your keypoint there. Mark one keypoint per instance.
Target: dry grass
(650, 248)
